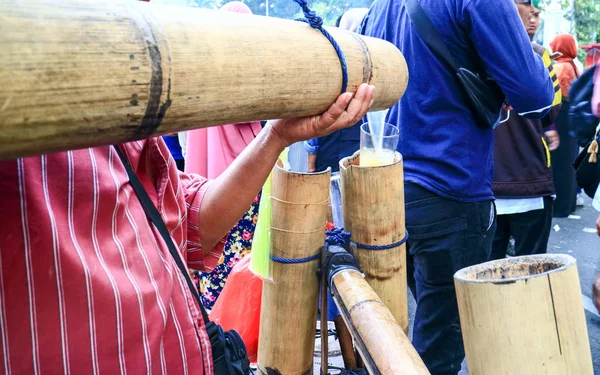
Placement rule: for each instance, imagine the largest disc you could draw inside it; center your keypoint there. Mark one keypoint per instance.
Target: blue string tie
(337, 236)
(295, 261)
(316, 22)
(384, 247)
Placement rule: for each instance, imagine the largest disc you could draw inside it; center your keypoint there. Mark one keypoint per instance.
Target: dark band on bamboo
(155, 112)
(368, 64)
(361, 303)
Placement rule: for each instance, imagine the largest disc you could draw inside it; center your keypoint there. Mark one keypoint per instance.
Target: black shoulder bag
(485, 97)
(228, 348)
(587, 167)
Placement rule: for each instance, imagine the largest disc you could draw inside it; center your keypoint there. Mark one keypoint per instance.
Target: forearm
(230, 195)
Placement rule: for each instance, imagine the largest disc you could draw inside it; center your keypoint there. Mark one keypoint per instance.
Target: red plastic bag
(238, 305)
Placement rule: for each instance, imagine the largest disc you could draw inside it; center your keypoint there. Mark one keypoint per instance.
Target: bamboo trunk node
(77, 73)
(524, 315)
(289, 303)
(373, 205)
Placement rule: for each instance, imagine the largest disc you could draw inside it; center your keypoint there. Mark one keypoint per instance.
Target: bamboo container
(289, 303)
(524, 315)
(373, 201)
(381, 342)
(77, 73)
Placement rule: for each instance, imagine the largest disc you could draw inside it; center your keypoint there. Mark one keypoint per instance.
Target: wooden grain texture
(373, 201)
(289, 303)
(76, 73)
(524, 315)
(388, 349)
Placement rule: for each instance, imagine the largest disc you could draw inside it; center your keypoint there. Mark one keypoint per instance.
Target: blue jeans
(445, 236)
(531, 231)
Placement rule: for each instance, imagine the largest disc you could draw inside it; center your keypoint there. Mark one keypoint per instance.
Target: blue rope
(317, 23)
(295, 261)
(337, 236)
(384, 247)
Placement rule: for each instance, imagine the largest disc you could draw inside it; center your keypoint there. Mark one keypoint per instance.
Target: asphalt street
(577, 237)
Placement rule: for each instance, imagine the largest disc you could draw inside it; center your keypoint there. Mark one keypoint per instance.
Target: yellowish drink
(369, 157)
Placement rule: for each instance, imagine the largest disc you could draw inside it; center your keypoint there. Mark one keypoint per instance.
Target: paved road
(573, 239)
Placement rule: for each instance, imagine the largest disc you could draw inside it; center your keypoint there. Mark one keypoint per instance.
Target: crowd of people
(87, 283)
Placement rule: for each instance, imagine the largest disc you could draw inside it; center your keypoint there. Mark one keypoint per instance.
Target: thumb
(335, 111)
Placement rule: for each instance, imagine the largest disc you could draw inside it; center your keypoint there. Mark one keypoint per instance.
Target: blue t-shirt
(173, 145)
(444, 150)
(332, 148)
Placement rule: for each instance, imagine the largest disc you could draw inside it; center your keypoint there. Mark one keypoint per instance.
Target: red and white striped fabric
(87, 285)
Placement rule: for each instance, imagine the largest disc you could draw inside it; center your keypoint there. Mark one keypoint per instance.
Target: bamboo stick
(346, 344)
(381, 342)
(289, 303)
(76, 73)
(524, 315)
(373, 200)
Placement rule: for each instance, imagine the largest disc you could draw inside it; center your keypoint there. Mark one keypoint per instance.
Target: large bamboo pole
(524, 315)
(78, 73)
(381, 342)
(373, 200)
(289, 303)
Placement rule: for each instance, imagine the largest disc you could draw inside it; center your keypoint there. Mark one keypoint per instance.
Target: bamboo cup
(77, 73)
(289, 303)
(381, 342)
(524, 315)
(373, 200)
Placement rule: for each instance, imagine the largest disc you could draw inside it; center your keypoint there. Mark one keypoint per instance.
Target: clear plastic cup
(335, 194)
(378, 148)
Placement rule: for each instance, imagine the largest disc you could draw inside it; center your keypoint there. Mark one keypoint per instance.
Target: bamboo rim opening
(514, 269)
(279, 165)
(354, 161)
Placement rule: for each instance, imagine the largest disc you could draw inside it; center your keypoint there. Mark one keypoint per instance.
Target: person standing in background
(596, 202)
(209, 152)
(564, 50)
(534, 20)
(523, 183)
(326, 152)
(448, 154)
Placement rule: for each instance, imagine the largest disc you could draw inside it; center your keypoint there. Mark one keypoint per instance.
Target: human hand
(553, 139)
(598, 225)
(346, 111)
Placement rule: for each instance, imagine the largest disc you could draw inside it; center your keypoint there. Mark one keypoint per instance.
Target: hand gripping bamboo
(77, 73)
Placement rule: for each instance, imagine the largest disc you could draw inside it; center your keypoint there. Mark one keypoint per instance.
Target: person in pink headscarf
(210, 151)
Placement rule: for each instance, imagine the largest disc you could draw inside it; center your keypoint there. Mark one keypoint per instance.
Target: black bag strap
(429, 33)
(160, 225)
